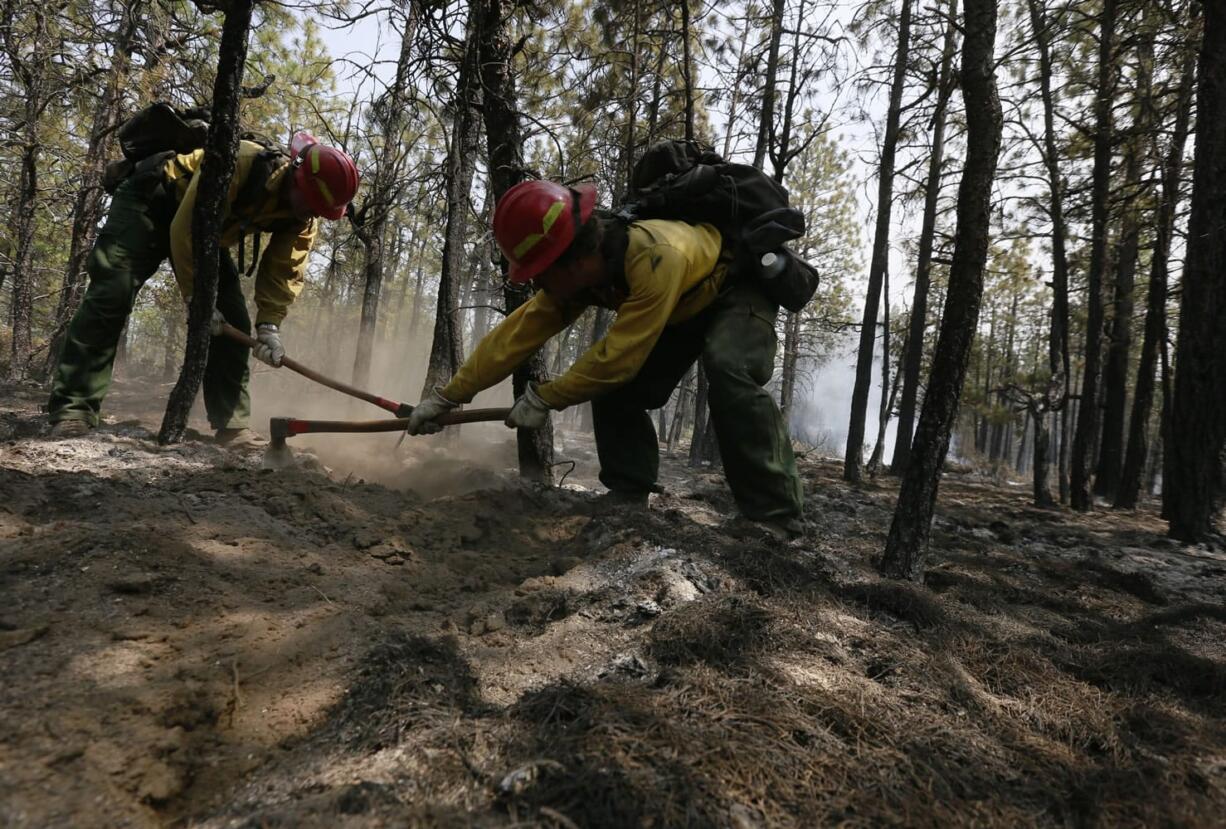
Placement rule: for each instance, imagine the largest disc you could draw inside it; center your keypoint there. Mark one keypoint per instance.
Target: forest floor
(189, 640)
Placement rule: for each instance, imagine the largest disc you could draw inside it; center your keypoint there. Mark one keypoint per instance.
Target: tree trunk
(918, 325)
(908, 538)
(1088, 413)
(1042, 446)
(766, 126)
(1115, 371)
(1058, 347)
(854, 456)
(1155, 310)
(698, 437)
(1197, 425)
(447, 346)
(887, 396)
(220, 150)
(791, 356)
(505, 147)
(388, 113)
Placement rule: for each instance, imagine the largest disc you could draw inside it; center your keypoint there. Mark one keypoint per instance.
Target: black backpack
(688, 181)
(155, 133)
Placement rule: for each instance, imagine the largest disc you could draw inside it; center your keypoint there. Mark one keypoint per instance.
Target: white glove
(216, 323)
(422, 420)
(529, 411)
(269, 349)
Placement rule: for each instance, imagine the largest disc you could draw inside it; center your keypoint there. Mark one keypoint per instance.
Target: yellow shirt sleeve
(655, 279)
(181, 226)
(282, 272)
(501, 351)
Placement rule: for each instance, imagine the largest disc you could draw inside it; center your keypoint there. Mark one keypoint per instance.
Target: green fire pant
(131, 246)
(735, 337)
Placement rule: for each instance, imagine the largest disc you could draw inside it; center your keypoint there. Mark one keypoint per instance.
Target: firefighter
(676, 300)
(150, 220)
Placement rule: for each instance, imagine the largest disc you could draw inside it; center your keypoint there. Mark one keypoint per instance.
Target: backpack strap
(250, 197)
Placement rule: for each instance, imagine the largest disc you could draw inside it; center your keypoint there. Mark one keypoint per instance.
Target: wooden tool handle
(304, 427)
(293, 365)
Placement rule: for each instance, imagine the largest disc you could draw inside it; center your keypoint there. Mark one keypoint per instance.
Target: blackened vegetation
(1018, 686)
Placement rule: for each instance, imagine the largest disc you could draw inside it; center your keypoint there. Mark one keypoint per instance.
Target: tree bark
(1155, 310)
(216, 170)
(766, 126)
(447, 345)
(912, 523)
(1058, 346)
(918, 325)
(1197, 425)
(1088, 413)
(371, 224)
(1119, 348)
(854, 456)
(505, 147)
(791, 357)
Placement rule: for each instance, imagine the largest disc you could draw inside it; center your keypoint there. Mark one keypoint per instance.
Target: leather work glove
(423, 419)
(529, 411)
(269, 349)
(216, 323)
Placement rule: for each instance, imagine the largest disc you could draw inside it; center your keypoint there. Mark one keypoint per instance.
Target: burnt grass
(1012, 688)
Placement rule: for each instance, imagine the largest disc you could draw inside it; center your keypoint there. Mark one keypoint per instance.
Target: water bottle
(772, 264)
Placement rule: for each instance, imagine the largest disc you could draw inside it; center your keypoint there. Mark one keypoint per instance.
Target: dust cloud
(460, 460)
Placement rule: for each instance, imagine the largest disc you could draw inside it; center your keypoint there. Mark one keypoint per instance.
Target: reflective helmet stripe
(314, 156)
(325, 192)
(532, 239)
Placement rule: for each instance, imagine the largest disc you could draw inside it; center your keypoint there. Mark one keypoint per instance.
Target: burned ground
(188, 640)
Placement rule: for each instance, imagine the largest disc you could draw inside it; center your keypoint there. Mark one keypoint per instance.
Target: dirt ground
(382, 637)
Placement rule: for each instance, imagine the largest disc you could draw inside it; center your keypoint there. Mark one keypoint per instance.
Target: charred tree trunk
(220, 150)
(791, 357)
(766, 126)
(686, 70)
(388, 113)
(1155, 310)
(1088, 413)
(854, 457)
(447, 345)
(1119, 349)
(912, 522)
(505, 147)
(886, 402)
(1197, 425)
(1058, 348)
(918, 325)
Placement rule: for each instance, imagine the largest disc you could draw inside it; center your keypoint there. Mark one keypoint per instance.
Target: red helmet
(535, 222)
(326, 177)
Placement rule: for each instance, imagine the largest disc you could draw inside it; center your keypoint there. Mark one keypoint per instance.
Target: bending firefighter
(150, 219)
(676, 300)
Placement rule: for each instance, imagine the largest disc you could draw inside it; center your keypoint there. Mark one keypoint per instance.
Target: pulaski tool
(282, 428)
(398, 409)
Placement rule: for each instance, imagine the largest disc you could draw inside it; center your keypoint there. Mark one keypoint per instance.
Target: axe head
(278, 454)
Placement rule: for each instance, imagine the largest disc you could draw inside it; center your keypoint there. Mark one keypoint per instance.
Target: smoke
(821, 413)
